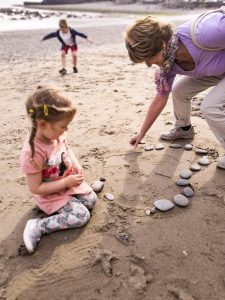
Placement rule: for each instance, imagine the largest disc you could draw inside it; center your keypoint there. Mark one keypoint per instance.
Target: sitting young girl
(69, 197)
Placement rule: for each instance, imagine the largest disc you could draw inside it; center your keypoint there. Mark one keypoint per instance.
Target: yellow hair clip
(31, 110)
(45, 107)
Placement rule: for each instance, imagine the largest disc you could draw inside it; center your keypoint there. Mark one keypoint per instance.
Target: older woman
(202, 62)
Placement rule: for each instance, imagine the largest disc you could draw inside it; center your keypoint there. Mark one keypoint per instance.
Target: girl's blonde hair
(49, 104)
(144, 39)
(63, 23)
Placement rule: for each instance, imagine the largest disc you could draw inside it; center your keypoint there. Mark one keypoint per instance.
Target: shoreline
(110, 7)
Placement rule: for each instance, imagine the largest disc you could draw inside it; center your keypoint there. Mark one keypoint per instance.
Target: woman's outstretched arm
(154, 110)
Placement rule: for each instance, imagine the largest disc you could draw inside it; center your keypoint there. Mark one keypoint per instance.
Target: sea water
(81, 19)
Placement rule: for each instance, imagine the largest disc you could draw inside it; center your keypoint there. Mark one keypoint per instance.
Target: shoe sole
(176, 138)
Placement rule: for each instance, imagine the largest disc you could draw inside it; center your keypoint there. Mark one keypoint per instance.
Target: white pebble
(149, 148)
(164, 204)
(201, 151)
(147, 212)
(159, 146)
(109, 197)
(182, 182)
(186, 173)
(175, 146)
(195, 167)
(97, 185)
(204, 161)
(188, 192)
(181, 200)
(188, 147)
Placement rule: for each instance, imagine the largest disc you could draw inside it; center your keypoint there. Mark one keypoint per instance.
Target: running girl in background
(67, 37)
(69, 197)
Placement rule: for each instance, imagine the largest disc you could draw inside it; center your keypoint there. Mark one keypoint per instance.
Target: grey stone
(109, 197)
(195, 167)
(159, 146)
(188, 192)
(185, 173)
(203, 161)
(176, 146)
(188, 147)
(164, 204)
(181, 200)
(97, 185)
(201, 151)
(182, 182)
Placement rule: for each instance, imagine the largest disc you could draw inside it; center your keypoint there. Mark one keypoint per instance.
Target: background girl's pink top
(48, 160)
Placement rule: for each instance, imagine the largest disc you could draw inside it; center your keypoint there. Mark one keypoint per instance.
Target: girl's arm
(154, 110)
(49, 36)
(38, 187)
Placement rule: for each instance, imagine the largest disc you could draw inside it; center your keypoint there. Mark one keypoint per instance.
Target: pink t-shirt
(54, 163)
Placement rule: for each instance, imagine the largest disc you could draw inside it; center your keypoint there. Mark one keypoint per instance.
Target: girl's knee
(91, 199)
(86, 216)
(88, 200)
(82, 215)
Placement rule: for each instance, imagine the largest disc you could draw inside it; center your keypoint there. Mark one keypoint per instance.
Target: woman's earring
(164, 54)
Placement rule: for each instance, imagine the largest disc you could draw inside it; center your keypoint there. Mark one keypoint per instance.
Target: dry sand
(122, 253)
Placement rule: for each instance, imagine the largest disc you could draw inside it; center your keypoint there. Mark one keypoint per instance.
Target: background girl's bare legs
(63, 59)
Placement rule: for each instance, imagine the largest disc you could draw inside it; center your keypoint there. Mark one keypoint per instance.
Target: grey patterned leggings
(74, 214)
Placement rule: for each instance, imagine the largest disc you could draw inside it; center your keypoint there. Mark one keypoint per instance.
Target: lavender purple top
(210, 33)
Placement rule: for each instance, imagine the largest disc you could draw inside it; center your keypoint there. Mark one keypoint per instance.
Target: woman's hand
(135, 140)
(73, 180)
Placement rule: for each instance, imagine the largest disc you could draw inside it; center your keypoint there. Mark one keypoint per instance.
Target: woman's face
(157, 59)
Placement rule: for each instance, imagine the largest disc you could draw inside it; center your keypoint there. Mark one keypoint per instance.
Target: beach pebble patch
(185, 173)
(164, 204)
(159, 147)
(175, 146)
(109, 197)
(201, 151)
(97, 185)
(181, 200)
(188, 147)
(188, 192)
(182, 182)
(204, 161)
(195, 167)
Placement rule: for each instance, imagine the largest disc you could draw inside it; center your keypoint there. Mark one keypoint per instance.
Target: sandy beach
(122, 253)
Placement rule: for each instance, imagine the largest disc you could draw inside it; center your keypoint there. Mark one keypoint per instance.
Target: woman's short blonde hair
(144, 39)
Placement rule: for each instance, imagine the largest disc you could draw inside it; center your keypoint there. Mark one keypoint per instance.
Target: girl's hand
(90, 40)
(80, 171)
(73, 180)
(135, 140)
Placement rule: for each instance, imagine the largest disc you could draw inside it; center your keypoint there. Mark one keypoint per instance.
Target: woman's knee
(209, 110)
